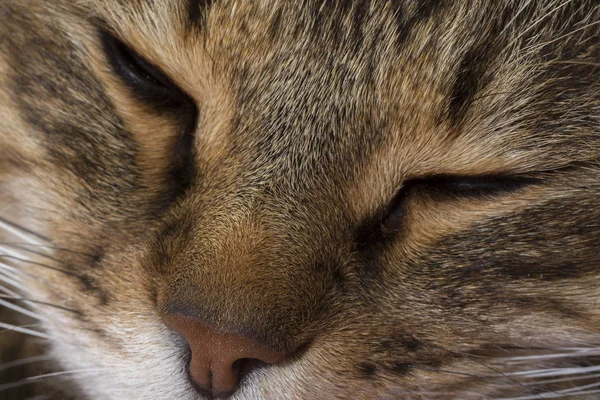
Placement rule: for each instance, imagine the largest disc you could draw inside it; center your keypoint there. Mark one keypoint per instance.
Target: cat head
(304, 199)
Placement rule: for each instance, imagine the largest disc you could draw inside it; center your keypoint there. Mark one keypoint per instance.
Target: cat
(302, 199)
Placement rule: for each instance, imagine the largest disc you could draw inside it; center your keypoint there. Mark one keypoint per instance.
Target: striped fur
(309, 193)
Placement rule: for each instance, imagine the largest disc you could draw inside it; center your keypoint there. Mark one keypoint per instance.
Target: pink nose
(214, 366)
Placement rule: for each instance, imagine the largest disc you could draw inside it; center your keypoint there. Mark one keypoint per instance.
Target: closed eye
(151, 86)
(147, 82)
(453, 187)
(472, 186)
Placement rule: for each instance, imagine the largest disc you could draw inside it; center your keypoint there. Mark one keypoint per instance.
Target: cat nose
(218, 357)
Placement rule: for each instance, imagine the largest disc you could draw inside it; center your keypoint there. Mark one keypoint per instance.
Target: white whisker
(4, 277)
(9, 292)
(565, 353)
(19, 309)
(36, 378)
(573, 392)
(34, 302)
(540, 373)
(29, 263)
(569, 379)
(23, 361)
(20, 233)
(12, 252)
(9, 268)
(583, 387)
(31, 332)
(585, 392)
(16, 275)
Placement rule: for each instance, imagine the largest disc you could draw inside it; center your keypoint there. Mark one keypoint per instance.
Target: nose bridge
(253, 272)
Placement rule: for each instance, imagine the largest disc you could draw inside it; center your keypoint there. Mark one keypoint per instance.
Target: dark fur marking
(367, 369)
(197, 12)
(392, 344)
(182, 171)
(151, 86)
(275, 23)
(90, 284)
(97, 255)
(401, 368)
(472, 77)
(360, 13)
(376, 233)
(406, 22)
(475, 71)
(153, 296)
(100, 152)
(409, 343)
(370, 242)
(369, 232)
(339, 280)
(177, 228)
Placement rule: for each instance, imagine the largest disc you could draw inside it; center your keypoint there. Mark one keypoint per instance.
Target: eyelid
(147, 81)
(475, 185)
(448, 187)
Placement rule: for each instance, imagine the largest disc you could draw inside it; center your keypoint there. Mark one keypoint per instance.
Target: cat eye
(451, 187)
(440, 187)
(153, 87)
(148, 83)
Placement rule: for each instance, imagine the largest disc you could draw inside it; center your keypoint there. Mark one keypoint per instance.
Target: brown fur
(311, 117)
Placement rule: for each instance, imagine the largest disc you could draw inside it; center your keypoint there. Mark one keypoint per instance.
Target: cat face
(305, 200)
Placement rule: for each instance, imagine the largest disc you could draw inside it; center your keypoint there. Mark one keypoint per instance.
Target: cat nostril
(218, 358)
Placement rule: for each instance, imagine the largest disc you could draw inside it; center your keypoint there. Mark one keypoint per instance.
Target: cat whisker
(565, 353)
(43, 303)
(575, 352)
(6, 277)
(512, 381)
(9, 292)
(532, 374)
(24, 361)
(588, 372)
(24, 246)
(22, 232)
(20, 329)
(549, 372)
(30, 262)
(17, 274)
(18, 309)
(569, 379)
(11, 252)
(572, 392)
(33, 379)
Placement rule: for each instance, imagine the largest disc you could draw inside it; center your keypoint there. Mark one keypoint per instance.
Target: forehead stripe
(197, 11)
